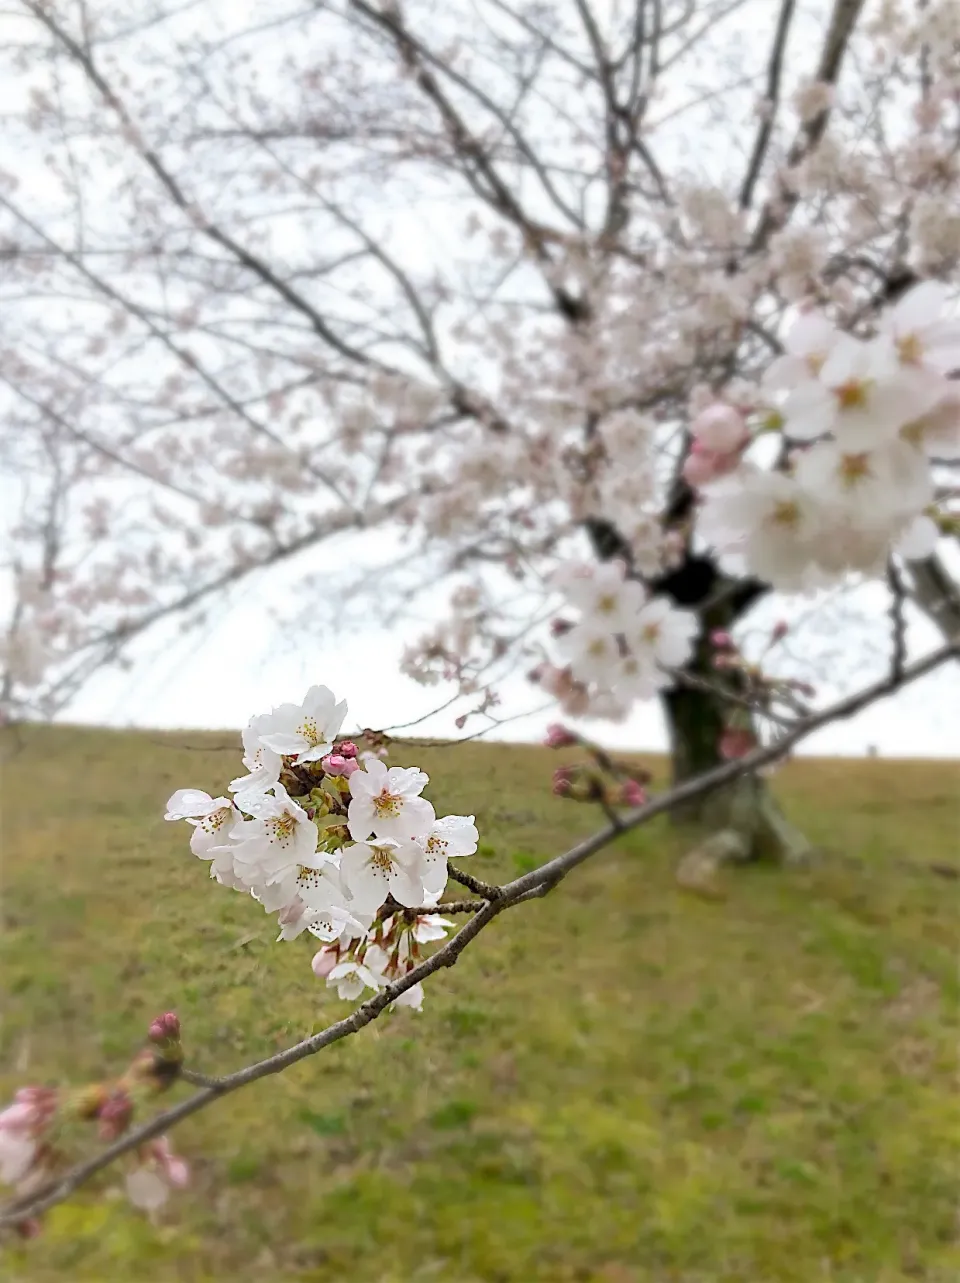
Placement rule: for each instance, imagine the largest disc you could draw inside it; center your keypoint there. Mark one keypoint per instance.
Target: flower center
(851, 395)
(386, 803)
(436, 844)
(650, 632)
(910, 349)
(854, 468)
(785, 513)
(607, 604)
(381, 859)
(597, 647)
(215, 820)
(310, 731)
(283, 827)
(913, 433)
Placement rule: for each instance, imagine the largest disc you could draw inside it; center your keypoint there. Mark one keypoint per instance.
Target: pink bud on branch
(558, 736)
(165, 1028)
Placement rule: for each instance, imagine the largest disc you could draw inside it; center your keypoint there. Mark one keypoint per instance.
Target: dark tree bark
(744, 821)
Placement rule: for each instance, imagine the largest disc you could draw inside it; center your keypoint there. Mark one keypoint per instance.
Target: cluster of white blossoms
(330, 839)
(863, 423)
(622, 645)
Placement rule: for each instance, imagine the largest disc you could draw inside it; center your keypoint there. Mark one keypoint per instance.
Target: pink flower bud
(346, 748)
(337, 764)
(721, 639)
(780, 631)
(32, 1109)
(175, 1169)
(558, 736)
(115, 1114)
(632, 793)
(720, 428)
(29, 1228)
(562, 780)
(559, 627)
(698, 469)
(165, 1028)
(736, 742)
(324, 962)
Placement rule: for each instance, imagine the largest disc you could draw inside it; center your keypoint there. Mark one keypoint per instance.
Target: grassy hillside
(623, 1083)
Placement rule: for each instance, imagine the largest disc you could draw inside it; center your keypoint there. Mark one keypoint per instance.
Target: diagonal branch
(531, 885)
(771, 101)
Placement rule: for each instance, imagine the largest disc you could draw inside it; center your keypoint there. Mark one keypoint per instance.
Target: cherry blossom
(450, 837)
(386, 802)
(22, 1126)
(661, 634)
(262, 763)
(604, 595)
(276, 841)
(213, 818)
(304, 731)
(922, 338)
(149, 1185)
(373, 870)
(767, 518)
(350, 978)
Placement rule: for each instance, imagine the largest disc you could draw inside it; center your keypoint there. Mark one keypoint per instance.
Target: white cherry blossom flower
(276, 841)
(766, 518)
(921, 336)
(350, 978)
(412, 997)
(386, 802)
(304, 731)
(662, 634)
(937, 433)
(807, 344)
(450, 837)
(262, 763)
(637, 677)
(881, 487)
(213, 819)
(605, 596)
(592, 651)
(372, 870)
(860, 395)
(430, 926)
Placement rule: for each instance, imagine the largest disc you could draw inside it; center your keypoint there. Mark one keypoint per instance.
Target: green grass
(622, 1083)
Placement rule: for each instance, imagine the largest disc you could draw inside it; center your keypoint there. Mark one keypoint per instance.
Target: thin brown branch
(770, 104)
(531, 885)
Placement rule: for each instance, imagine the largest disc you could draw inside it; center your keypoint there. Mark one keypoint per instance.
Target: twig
(486, 889)
(898, 621)
(530, 886)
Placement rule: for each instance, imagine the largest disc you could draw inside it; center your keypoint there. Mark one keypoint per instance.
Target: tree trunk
(743, 820)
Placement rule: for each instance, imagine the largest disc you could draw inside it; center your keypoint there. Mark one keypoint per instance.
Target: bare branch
(530, 885)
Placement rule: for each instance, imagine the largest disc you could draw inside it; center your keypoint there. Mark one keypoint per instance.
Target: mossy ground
(622, 1083)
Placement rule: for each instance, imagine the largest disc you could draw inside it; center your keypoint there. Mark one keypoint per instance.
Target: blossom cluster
(861, 424)
(36, 1128)
(333, 841)
(620, 647)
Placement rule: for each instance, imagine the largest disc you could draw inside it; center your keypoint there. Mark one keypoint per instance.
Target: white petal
(188, 803)
(920, 305)
(146, 1189)
(919, 540)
